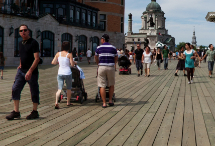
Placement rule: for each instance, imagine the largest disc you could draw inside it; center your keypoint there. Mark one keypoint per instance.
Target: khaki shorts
(106, 76)
(147, 65)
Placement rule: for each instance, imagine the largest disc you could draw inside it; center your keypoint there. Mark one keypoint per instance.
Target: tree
(181, 44)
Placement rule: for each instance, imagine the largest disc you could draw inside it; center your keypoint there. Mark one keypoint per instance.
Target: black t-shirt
(26, 51)
(139, 54)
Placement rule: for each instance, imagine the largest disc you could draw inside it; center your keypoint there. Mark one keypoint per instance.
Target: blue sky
(181, 17)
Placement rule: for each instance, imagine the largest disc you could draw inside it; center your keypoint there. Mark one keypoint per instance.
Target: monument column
(164, 22)
(156, 22)
(153, 16)
(145, 20)
(129, 23)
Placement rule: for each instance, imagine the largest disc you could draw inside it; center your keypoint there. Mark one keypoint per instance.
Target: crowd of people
(106, 57)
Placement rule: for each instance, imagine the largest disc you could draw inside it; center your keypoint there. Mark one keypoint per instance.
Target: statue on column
(152, 24)
(146, 42)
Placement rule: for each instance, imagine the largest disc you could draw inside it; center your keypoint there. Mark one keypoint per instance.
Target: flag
(160, 33)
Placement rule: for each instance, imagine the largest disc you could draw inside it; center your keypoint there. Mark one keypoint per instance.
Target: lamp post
(11, 30)
(76, 38)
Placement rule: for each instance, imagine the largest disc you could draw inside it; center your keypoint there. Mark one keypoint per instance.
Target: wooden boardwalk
(160, 110)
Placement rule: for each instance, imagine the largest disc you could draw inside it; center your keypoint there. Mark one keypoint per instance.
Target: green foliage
(181, 44)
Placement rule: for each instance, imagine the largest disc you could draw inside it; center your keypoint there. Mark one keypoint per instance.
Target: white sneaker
(191, 82)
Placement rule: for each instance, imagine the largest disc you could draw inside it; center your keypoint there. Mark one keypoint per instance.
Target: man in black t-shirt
(138, 59)
(26, 72)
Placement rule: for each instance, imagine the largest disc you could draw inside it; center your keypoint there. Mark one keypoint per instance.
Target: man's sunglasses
(25, 30)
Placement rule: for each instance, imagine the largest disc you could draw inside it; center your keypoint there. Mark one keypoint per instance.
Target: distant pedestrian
(89, 55)
(189, 55)
(65, 59)
(138, 59)
(159, 57)
(174, 55)
(211, 57)
(154, 55)
(170, 55)
(106, 57)
(74, 54)
(27, 71)
(131, 56)
(165, 53)
(200, 56)
(2, 64)
(148, 58)
(181, 62)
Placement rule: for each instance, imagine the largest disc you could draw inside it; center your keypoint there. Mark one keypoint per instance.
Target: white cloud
(181, 16)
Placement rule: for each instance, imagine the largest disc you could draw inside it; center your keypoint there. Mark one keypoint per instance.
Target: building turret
(130, 23)
(194, 43)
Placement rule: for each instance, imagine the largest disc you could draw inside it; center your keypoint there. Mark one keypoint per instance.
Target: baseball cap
(106, 37)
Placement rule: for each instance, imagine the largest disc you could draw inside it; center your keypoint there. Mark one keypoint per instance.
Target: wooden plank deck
(159, 110)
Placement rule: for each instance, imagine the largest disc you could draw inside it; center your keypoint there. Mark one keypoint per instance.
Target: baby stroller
(78, 90)
(124, 65)
(98, 96)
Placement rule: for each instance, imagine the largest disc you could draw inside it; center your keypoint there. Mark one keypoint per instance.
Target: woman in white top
(147, 58)
(64, 72)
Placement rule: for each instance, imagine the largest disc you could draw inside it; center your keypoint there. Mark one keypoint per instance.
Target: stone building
(153, 34)
(81, 22)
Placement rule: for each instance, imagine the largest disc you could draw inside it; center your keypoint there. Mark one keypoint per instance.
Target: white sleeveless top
(64, 65)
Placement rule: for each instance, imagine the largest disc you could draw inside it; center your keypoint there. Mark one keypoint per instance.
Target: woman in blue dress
(189, 55)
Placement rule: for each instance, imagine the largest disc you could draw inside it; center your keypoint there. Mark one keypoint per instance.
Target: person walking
(211, 55)
(200, 56)
(159, 57)
(2, 64)
(131, 56)
(148, 58)
(154, 54)
(165, 53)
(74, 54)
(65, 59)
(174, 55)
(181, 62)
(27, 71)
(89, 55)
(170, 56)
(189, 56)
(138, 59)
(106, 57)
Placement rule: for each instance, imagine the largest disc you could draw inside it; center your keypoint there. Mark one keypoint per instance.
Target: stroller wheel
(61, 97)
(85, 96)
(81, 100)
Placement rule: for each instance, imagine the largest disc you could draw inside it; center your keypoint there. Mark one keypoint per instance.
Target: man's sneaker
(13, 115)
(176, 74)
(141, 72)
(33, 115)
(185, 75)
(138, 75)
(2, 77)
(191, 81)
(210, 76)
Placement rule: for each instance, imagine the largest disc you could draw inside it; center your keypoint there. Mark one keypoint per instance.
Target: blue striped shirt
(106, 53)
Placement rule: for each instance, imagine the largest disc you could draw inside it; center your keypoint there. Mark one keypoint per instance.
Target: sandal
(111, 104)
(70, 104)
(104, 106)
(56, 106)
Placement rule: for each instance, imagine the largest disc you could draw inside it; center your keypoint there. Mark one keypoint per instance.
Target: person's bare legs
(16, 105)
(103, 95)
(131, 61)
(35, 105)
(57, 96)
(111, 91)
(68, 96)
(2, 73)
(146, 72)
(176, 71)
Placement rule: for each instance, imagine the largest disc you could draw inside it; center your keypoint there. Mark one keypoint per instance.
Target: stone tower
(130, 23)
(194, 43)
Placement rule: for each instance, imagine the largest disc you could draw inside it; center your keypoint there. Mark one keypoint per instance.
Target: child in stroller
(124, 65)
(78, 90)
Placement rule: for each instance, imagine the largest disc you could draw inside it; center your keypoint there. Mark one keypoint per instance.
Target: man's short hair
(65, 46)
(23, 25)
(210, 45)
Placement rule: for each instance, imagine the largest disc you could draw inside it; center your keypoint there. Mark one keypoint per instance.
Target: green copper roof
(154, 6)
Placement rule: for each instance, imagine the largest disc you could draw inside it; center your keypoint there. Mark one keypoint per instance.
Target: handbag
(161, 60)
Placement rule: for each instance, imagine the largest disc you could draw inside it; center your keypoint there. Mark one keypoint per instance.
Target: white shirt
(89, 53)
(64, 65)
(147, 57)
(118, 52)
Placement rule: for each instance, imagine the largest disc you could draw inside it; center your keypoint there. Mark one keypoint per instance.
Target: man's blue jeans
(165, 63)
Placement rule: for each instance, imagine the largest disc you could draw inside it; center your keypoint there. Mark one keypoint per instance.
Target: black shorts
(19, 84)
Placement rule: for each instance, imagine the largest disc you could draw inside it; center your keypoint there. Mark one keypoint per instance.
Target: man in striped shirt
(106, 56)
